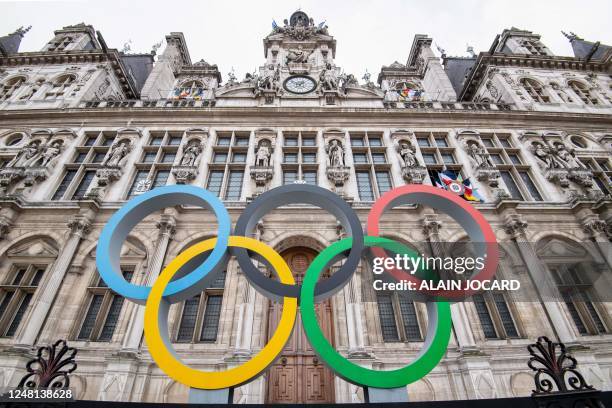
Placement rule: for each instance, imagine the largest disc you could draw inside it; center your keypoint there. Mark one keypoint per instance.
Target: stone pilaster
(516, 227)
(461, 323)
(79, 226)
(133, 337)
(594, 227)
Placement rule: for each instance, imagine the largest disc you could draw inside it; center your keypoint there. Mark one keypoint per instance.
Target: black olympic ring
(299, 194)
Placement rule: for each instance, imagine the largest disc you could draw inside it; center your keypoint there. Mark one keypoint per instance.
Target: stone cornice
(74, 57)
(486, 60)
(348, 117)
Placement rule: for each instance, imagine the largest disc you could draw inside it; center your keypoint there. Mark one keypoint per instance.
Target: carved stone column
(596, 228)
(133, 336)
(461, 323)
(515, 227)
(79, 226)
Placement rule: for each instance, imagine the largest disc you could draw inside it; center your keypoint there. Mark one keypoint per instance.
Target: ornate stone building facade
(85, 127)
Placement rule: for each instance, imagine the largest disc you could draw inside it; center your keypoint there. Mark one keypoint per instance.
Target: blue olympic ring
(125, 219)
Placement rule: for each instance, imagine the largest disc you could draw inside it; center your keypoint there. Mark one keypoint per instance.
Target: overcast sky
(369, 34)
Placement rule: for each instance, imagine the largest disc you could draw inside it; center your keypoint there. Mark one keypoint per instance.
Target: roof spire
(22, 31)
(571, 36)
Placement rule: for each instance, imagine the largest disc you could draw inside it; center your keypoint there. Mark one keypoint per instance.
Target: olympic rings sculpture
(185, 276)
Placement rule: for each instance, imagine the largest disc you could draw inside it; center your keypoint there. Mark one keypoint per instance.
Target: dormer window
(534, 47)
(584, 93)
(60, 86)
(535, 90)
(60, 44)
(189, 90)
(9, 87)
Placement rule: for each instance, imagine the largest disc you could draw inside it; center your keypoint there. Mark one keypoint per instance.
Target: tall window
(587, 313)
(495, 316)
(10, 86)
(155, 163)
(437, 154)
(584, 93)
(16, 293)
(372, 170)
(602, 172)
(399, 318)
(226, 172)
(535, 90)
(200, 314)
(300, 157)
(515, 174)
(60, 86)
(81, 168)
(103, 310)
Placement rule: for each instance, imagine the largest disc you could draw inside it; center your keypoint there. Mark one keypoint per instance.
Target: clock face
(300, 84)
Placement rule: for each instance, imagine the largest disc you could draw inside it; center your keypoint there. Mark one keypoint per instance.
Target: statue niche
(190, 155)
(484, 167)
(261, 170)
(337, 171)
(412, 170)
(111, 167)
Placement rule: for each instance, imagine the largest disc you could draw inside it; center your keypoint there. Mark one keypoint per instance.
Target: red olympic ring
(477, 227)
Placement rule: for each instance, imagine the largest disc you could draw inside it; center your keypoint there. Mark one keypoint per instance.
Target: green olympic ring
(439, 326)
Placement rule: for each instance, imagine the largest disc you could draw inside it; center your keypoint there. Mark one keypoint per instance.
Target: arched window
(189, 90)
(200, 314)
(23, 269)
(535, 90)
(60, 86)
(571, 267)
(9, 87)
(101, 311)
(582, 91)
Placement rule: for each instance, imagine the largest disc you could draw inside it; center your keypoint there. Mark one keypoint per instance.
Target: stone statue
(270, 80)
(51, 152)
(327, 79)
(117, 152)
(232, 78)
(298, 55)
(335, 154)
(347, 80)
(545, 155)
(262, 157)
(249, 78)
(407, 154)
(479, 155)
(566, 158)
(25, 155)
(190, 153)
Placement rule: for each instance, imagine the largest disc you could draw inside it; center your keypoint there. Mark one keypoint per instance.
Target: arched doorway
(298, 376)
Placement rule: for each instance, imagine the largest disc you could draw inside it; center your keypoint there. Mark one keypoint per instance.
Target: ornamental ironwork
(51, 367)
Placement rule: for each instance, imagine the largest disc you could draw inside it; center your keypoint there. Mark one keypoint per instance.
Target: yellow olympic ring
(156, 321)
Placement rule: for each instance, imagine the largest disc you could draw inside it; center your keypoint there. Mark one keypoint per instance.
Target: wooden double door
(298, 376)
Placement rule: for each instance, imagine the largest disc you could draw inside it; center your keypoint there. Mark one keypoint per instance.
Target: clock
(300, 84)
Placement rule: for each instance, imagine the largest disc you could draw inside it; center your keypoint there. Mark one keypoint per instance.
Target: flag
(321, 24)
(274, 25)
(455, 184)
(470, 193)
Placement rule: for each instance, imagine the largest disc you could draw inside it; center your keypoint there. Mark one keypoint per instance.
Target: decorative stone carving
(298, 55)
(5, 226)
(187, 169)
(328, 79)
(336, 172)
(412, 170)
(268, 84)
(593, 225)
(515, 226)
(112, 164)
(431, 225)
(485, 168)
(142, 186)
(25, 156)
(262, 170)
